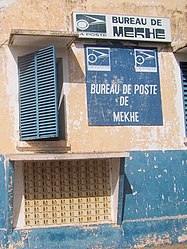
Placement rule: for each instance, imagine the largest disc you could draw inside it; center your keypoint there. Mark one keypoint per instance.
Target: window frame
(19, 198)
(184, 92)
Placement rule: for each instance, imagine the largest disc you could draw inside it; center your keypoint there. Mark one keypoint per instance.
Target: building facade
(93, 123)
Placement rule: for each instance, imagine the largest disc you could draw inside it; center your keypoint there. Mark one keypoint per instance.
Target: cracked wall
(46, 15)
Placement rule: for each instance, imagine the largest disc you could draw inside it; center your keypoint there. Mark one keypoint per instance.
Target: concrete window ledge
(61, 146)
(65, 156)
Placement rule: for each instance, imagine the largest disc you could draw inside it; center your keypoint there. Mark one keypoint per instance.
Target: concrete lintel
(182, 48)
(66, 156)
(20, 37)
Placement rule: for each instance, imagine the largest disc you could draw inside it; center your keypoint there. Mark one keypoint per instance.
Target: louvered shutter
(38, 95)
(184, 83)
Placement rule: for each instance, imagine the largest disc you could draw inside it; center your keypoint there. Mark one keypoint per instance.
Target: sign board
(122, 27)
(123, 86)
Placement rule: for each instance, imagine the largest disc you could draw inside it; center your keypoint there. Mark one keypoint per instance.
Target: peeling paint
(182, 238)
(175, 188)
(154, 240)
(160, 189)
(155, 199)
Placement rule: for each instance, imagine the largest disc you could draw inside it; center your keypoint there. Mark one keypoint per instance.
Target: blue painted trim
(10, 167)
(69, 237)
(6, 201)
(3, 195)
(129, 235)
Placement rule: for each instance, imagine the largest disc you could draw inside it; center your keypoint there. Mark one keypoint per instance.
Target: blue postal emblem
(91, 23)
(145, 60)
(98, 59)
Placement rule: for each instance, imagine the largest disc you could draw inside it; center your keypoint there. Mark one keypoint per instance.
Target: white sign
(122, 27)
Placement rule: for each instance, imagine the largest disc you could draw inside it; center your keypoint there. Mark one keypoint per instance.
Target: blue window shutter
(38, 95)
(183, 66)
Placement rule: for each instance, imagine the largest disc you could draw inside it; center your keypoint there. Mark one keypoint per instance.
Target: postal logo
(145, 60)
(98, 59)
(91, 23)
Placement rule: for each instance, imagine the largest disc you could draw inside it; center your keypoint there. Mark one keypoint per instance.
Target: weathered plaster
(153, 239)
(182, 238)
(154, 208)
(135, 137)
(40, 15)
(7, 114)
(155, 199)
(5, 3)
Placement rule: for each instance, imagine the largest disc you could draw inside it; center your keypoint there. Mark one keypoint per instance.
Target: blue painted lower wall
(151, 210)
(156, 184)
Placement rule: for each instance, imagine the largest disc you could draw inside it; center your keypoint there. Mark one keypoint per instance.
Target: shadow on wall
(124, 189)
(127, 190)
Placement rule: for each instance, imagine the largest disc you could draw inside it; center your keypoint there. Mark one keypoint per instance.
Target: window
(183, 66)
(65, 192)
(38, 95)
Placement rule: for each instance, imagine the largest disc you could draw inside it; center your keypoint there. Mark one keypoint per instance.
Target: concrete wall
(46, 15)
(151, 208)
(152, 189)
